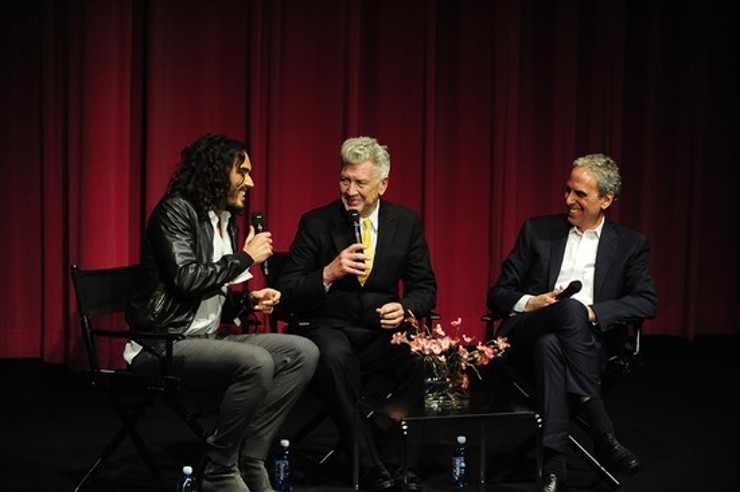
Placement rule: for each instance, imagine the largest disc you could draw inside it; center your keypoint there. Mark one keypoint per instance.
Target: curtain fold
(483, 105)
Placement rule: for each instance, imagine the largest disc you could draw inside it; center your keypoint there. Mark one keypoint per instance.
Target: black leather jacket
(178, 269)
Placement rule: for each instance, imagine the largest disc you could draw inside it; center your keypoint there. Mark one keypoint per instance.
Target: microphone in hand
(573, 288)
(258, 221)
(354, 220)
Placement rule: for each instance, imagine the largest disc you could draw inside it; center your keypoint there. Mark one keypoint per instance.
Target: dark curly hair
(202, 176)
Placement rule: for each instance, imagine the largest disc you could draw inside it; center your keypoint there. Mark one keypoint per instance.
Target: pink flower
(399, 337)
(450, 354)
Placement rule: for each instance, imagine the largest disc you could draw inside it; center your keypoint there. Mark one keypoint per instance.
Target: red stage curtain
(484, 105)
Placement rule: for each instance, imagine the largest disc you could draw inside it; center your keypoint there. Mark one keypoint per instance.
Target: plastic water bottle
(460, 463)
(187, 484)
(282, 468)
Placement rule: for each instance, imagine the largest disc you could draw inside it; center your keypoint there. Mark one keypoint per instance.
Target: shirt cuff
(243, 277)
(521, 303)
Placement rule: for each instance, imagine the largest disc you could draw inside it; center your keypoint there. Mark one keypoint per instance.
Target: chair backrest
(100, 292)
(622, 345)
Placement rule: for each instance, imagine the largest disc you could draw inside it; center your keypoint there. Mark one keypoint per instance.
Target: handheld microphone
(258, 221)
(573, 288)
(354, 219)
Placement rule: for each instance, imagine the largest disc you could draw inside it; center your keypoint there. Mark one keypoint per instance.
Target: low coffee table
(481, 408)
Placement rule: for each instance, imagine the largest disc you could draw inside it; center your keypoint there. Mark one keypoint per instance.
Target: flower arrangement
(447, 359)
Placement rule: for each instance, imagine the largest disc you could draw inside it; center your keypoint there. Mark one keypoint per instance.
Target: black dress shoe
(377, 479)
(413, 481)
(551, 483)
(616, 457)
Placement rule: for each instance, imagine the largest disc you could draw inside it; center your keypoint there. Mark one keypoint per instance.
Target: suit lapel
(387, 231)
(340, 229)
(557, 251)
(604, 254)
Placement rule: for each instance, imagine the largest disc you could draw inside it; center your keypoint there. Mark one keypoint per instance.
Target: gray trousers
(261, 375)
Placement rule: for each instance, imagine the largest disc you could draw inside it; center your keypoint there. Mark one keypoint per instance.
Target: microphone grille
(258, 221)
(354, 215)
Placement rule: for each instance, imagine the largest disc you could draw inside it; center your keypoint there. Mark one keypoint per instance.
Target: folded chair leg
(190, 419)
(143, 450)
(129, 419)
(306, 429)
(102, 458)
(610, 479)
(328, 455)
(313, 462)
(127, 429)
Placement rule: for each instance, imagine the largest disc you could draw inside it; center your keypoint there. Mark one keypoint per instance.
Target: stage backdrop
(483, 105)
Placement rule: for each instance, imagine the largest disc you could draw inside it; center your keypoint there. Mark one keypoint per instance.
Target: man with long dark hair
(190, 260)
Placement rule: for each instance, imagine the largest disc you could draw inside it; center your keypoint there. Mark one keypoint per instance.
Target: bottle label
(282, 471)
(187, 485)
(282, 475)
(458, 468)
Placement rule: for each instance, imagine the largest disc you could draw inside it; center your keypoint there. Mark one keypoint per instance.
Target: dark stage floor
(680, 414)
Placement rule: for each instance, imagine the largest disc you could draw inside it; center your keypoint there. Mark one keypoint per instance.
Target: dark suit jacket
(623, 286)
(401, 257)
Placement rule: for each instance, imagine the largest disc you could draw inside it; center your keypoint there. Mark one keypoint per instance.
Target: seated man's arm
(634, 295)
(419, 281)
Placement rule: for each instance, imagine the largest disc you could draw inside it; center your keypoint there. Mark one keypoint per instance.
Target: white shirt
(579, 263)
(207, 317)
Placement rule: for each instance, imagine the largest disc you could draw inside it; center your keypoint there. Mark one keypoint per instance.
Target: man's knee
(303, 350)
(256, 366)
(572, 310)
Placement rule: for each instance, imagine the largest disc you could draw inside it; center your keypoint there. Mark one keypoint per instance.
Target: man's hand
(591, 314)
(258, 246)
(543, 300)
(264, 300)
(351, 260)
(391, 315)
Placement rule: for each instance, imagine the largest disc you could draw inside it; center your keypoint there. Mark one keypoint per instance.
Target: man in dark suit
(558, 339)
(349, 292)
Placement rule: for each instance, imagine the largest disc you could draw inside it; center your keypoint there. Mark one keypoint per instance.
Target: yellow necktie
(367, 242)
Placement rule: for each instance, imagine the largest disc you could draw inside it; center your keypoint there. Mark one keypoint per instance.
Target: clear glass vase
(445, 387)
